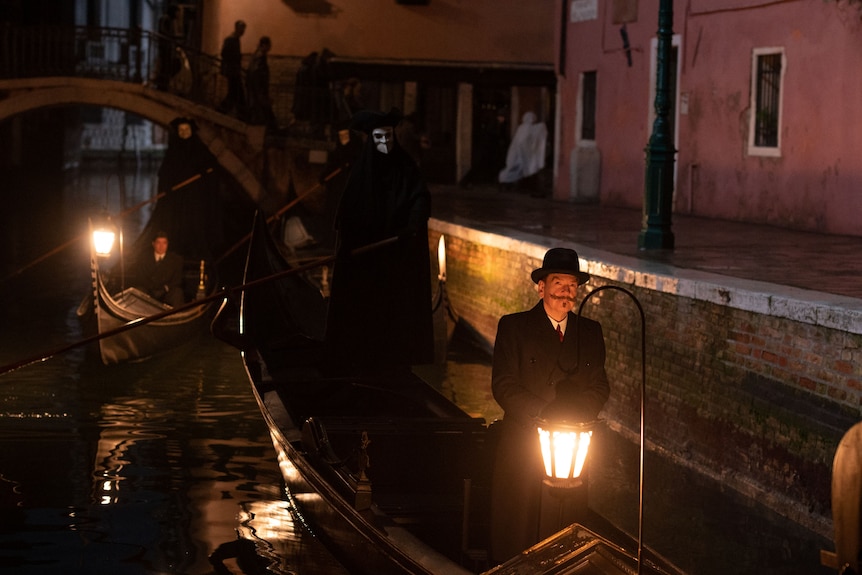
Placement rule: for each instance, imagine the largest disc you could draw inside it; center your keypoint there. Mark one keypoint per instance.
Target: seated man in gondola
(161, 274)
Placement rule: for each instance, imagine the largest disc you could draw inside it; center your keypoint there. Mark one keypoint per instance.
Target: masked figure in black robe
(189, 210)
(379, 316)
(190, 207)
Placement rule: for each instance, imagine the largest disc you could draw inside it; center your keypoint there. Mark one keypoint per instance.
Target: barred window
(588, 106)
(766, 82)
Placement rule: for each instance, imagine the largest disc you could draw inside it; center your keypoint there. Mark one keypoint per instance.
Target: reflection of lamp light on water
(565, 445)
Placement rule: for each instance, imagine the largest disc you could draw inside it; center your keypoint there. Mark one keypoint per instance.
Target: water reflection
(151, 467)
(181, 468)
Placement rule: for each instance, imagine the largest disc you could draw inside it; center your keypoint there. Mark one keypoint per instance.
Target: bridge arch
(234, 144)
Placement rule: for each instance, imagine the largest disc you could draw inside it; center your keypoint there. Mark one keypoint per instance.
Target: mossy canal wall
(748, 383)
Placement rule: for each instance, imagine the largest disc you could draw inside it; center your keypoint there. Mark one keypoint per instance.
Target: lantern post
(563, 467)
(658, 186)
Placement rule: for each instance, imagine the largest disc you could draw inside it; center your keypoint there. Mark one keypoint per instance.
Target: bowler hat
(560, 261)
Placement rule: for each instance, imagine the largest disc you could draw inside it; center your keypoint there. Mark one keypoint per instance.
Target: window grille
(768, 82)
(588, 106)
(768, 68)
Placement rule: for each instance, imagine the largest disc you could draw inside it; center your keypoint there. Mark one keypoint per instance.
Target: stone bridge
(238, 147)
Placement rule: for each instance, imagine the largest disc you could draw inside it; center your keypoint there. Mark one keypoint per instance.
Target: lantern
(104, 233)
(564, 451)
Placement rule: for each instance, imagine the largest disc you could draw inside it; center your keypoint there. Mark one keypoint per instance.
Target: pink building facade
(766, 116)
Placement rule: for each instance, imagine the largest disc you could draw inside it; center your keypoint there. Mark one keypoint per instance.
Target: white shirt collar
(561, 323)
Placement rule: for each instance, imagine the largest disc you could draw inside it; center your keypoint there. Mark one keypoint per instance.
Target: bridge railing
(148, 58)
(126, 55)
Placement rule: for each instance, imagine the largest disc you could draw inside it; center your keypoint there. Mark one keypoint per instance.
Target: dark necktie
(560, 332)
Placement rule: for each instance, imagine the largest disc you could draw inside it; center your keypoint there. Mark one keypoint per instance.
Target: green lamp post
(658, 186)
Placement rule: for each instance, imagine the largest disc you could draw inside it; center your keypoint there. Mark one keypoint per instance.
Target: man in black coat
(540, 372)
(257, 79)
(231, 68)
(161, 273)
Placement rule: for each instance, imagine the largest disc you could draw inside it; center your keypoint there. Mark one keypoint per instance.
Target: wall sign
(583, 10)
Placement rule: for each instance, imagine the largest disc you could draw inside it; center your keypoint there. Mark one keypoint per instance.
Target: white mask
(383, 139)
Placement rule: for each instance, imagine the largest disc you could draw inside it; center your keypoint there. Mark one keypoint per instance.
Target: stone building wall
(751, 388)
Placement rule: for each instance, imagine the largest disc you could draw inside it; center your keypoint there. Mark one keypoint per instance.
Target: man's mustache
(563, 297)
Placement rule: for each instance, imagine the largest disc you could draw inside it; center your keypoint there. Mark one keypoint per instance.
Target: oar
(222, 293)
(279, 213)
(125, 212)
(160, 195)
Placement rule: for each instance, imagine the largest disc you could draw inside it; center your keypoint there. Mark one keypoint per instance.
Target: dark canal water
(154, 467)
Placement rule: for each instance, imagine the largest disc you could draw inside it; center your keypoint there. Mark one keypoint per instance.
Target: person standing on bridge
(170, 36)
(231, 68)
(259, 102)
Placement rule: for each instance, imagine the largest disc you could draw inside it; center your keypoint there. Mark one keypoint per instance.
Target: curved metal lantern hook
(643, 399)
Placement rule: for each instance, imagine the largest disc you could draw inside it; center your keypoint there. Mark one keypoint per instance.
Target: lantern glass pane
(545, 442)
(103, 242)
(564, 452)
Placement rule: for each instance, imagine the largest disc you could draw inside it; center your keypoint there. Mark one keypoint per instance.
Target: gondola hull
(112, 312)
(330, 499)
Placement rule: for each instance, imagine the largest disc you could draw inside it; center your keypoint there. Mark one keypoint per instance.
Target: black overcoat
(153, 277)
(532, 368)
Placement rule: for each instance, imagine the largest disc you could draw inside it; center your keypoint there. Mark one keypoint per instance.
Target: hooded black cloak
(380, 306)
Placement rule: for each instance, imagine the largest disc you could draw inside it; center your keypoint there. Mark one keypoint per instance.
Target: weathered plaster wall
(812, 185)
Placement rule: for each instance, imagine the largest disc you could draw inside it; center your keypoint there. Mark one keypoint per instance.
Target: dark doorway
(437, 114)
(490, 134)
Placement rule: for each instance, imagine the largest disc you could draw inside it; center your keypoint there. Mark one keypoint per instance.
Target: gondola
(389, 473)
(113, 306)
(195, 219)
(112, 311)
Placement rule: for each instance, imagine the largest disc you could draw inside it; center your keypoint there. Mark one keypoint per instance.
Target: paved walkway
(820, 269)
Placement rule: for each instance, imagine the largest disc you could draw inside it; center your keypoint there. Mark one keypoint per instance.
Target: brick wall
(754, 400)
